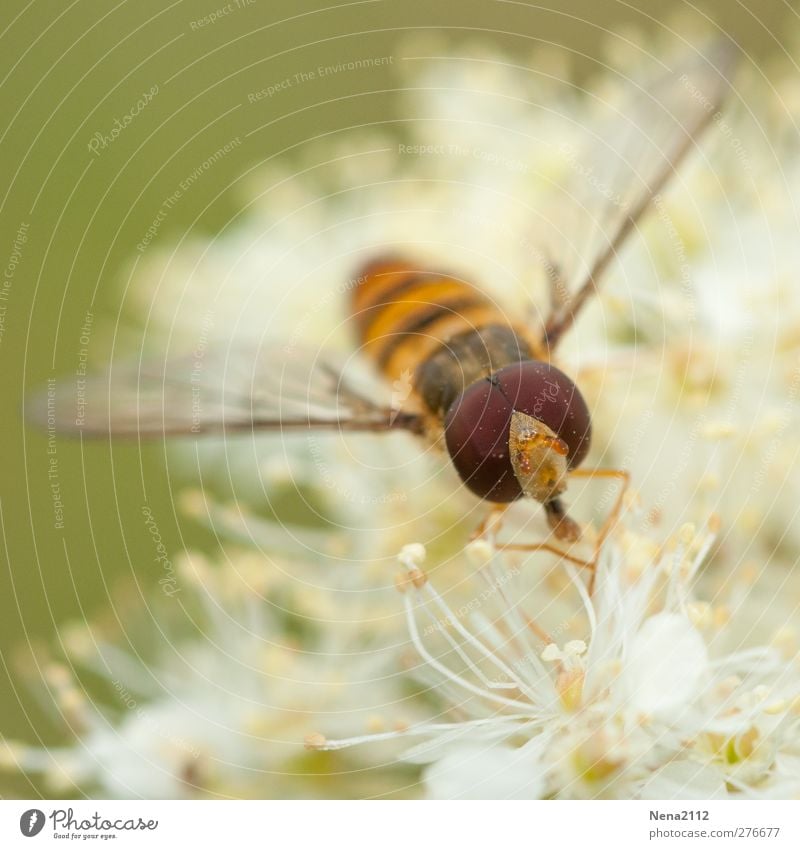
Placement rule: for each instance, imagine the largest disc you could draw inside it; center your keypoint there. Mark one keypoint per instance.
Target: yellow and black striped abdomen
(441, 332)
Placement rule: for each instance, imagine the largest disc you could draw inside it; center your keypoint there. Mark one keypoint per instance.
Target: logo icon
(31, 822)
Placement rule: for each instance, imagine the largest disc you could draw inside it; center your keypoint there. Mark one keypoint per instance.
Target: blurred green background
(70, 70)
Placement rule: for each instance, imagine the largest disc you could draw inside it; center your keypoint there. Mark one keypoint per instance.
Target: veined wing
(224, 390)
(640, 141)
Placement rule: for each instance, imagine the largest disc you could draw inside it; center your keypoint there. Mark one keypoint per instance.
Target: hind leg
(491, 523)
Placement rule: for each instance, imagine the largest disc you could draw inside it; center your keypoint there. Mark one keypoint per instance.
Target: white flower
(668, 681)
(472, 771)
(217, 698)
(643, 704)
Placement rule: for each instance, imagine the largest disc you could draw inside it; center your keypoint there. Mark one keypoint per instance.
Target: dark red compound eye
(477, 424)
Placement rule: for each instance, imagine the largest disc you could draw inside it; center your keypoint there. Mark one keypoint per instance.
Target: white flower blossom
(211, 691)
(643, 704)
(677, 677)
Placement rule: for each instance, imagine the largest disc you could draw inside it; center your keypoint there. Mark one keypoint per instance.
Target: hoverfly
(482, 384)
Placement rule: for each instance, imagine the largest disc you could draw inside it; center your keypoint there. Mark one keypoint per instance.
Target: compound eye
(476, 433)
(477, 425)
(546, 394)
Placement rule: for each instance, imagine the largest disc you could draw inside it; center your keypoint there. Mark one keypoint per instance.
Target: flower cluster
(502, 674)
(209, 692)
(642, 700)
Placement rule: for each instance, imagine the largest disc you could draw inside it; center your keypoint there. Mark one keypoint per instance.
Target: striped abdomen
(435, 330)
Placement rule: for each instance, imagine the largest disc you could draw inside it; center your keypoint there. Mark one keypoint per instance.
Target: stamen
(417, 578)
(551, 653)
(450, 617)
(518, 626)
(588, 606)
(510, 724)
(412, 555)
(479, 553)
(446, 671)
(315, 740)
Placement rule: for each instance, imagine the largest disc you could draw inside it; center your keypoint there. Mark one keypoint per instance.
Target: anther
(315, 741)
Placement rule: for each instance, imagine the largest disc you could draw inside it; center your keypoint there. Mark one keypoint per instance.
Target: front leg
(490, 527)
(491, 523)
(568, 530)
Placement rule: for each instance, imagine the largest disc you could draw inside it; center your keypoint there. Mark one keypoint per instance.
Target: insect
(481, 381)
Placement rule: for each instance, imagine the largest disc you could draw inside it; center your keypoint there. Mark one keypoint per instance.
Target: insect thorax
(470, 356)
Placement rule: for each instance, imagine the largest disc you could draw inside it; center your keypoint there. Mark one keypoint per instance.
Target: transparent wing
(639, 140)
(215, 391)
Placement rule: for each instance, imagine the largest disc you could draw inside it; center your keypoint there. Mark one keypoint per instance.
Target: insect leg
(549, 547)
(557, 517)
(618, 474)
(490, 526)
(612, 518)
(564, 528)
(491, 523)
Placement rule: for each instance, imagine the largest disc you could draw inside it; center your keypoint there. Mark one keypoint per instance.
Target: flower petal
(488, 772)
(665, 664)
(685, 780)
